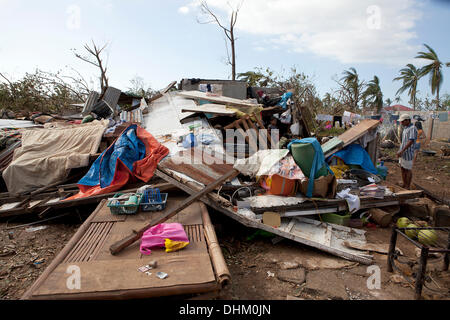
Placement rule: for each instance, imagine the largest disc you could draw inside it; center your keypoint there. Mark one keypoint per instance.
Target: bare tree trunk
(96, 53)
(437, 97)
(233, 56)
(229, 32)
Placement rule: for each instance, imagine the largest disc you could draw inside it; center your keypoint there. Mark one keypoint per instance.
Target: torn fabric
(47, 155)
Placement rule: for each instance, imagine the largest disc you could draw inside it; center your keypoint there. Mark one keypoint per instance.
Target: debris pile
(255, 160)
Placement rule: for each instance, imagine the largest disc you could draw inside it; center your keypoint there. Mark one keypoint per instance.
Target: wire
(232, 196)
(37, 222)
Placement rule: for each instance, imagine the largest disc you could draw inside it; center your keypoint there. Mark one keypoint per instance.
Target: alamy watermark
(73, 21)
(73, 281)
(374, 17)
(374, 280)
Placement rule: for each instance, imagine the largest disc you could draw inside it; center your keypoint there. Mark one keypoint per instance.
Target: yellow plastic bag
(172, 246)
(339, 169)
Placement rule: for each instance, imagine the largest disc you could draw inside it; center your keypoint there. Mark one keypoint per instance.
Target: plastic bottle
(190, 141)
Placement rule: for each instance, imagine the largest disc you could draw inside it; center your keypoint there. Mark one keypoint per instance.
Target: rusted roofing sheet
(198, 165)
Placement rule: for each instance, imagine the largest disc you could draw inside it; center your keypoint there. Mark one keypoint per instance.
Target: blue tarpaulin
(284, 99)
(354, 154)
(128, 149)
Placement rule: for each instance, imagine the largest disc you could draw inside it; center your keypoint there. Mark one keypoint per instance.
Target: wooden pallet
(249, 128)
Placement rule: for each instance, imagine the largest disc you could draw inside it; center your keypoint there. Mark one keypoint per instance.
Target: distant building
(397, 107)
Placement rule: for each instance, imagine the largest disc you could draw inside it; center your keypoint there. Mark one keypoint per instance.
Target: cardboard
(324, 187)
(272, 219)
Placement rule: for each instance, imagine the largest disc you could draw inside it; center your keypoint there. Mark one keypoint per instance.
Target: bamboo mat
(198, 268)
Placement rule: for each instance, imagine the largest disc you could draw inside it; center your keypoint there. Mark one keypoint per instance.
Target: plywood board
(358, 131)
(218, 109)
(351, 135)
(198, 95)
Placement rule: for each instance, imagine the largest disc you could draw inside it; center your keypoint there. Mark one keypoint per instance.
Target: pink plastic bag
(156, 236)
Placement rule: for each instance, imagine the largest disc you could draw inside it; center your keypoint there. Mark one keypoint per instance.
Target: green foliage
(39, 91)
(373, 94)
(330, 132)
(433, 69)
(253, 79)
(410, 77)
(350, 92)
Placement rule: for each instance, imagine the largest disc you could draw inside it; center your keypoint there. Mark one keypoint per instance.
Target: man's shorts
(405, 164)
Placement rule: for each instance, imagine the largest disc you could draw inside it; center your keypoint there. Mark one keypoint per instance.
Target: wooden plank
(198, 95)
(382, 248)
(120, 245)
(353, 134)
(217, 109)
(250, 135)
(331, 145)
(170, 86)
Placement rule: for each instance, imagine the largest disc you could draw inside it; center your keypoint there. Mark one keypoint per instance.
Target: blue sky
(161, 41)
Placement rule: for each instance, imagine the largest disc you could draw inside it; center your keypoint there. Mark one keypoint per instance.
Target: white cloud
(183, 10)
(349, 31)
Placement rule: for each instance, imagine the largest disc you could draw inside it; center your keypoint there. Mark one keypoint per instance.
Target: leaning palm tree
(353, 86)
(434, 69)
(373, 94)
(410, 77)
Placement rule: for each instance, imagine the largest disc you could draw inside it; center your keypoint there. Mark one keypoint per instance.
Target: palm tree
(410, 77)
(353, 86)
(434, 69)
(373, 94)
(388, 102)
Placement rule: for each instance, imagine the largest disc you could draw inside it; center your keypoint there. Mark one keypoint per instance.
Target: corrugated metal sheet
(198, 165)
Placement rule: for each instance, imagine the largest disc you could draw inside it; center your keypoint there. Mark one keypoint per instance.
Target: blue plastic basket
(153, 200)
(118, 208)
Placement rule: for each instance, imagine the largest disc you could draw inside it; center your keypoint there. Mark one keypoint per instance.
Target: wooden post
(372, 149)
(421, 272)
(430, 132)
(381, 217)
(446, 255)
(392, 250)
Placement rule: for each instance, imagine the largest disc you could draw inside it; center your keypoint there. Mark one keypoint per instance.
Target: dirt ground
(256, 264)
(430, 172)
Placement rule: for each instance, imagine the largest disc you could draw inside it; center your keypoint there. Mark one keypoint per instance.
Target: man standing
(407, 148)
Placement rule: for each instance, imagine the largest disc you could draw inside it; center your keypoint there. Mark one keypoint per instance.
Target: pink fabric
(156, 236)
